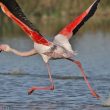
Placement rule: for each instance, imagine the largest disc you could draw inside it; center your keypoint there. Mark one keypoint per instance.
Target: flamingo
(60, 48)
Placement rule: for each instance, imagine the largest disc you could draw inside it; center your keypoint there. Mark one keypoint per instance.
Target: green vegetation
(49, 16)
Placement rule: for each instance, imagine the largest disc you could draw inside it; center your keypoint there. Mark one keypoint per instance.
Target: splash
(106, 103)
(17, 71)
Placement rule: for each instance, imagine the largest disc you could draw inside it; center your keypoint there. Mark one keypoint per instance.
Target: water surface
(18, 74)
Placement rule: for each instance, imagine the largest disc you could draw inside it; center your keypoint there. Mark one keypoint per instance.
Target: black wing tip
(92, 10)
(96, 2)
(90, 14)
(16, 10)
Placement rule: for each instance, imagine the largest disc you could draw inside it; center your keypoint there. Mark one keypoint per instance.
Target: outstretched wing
(13, 11)
(75, 25)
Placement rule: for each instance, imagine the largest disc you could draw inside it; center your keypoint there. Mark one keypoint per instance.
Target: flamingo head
(4, 47)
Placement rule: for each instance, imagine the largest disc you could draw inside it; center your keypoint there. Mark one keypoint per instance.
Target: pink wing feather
(75, 25)
(13, 11)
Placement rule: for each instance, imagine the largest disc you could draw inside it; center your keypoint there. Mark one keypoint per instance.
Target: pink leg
(79, 65)
(51, 87)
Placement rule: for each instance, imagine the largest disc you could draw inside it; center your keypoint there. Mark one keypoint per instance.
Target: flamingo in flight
(60, 48)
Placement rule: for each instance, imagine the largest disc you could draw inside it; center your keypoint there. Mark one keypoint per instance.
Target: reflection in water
(18, 74)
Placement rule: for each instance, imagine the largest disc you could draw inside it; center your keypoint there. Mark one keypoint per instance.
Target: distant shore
(50, 16)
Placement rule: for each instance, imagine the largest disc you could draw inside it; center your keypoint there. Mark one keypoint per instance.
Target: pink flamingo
(60, 48)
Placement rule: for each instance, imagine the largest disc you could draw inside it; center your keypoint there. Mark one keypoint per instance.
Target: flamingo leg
(79, 65)
(51, 87)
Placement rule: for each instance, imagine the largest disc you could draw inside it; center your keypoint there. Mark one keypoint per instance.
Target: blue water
(18, 74)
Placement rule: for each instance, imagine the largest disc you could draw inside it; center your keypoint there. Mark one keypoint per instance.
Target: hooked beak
(0, 49)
